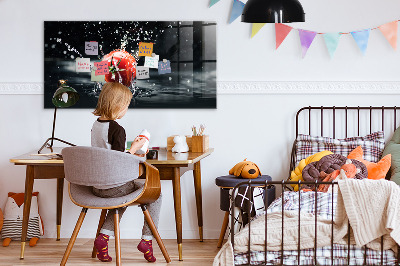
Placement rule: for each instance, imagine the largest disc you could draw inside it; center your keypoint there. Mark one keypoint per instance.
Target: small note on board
(142, 72)
(92, 48)
(101, 68)
(82, 64)
(99, 78)
(164, 67)
(145, 48)
(152, 61)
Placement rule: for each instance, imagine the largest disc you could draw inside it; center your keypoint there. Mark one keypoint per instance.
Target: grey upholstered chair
(85, 167)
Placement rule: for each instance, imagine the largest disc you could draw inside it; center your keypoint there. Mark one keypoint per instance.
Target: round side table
(228, 182)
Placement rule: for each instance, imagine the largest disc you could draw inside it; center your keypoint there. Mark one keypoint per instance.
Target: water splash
(70, 48)
(124, 41)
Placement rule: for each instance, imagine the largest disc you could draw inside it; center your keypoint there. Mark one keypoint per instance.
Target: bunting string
(361, 37)
(343, 33)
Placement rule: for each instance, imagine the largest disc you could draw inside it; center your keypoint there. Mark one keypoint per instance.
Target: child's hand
(137, 144)
(142, 155)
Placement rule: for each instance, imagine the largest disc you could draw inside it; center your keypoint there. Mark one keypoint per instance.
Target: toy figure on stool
(13, 215)
(245, 169)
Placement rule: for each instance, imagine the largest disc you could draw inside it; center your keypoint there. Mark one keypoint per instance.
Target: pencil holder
(200, 143)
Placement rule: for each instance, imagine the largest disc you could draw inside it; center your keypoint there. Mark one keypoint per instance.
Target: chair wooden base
(73, 237)
(78, 225)
(101, 222)
(156, 235)
(117, 238)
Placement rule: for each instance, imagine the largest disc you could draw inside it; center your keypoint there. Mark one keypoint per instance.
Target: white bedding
(354, 196)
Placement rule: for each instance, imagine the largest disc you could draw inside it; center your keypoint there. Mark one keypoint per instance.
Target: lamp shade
(273, 11)
(65, 96)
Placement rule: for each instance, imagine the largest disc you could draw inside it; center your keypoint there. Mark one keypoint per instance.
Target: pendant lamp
(65, 96)
(272, 11)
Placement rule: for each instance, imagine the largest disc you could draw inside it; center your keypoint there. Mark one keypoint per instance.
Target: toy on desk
(180, 144)
(245, 169)
(144, 134)
(13, 215)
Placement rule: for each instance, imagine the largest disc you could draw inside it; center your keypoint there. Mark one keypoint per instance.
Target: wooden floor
(50, 252)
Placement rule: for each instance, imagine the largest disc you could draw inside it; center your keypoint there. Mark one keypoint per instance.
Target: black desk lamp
(273, 11)
(65, 96)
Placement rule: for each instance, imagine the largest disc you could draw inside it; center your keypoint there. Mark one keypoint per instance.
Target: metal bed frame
(283, 184)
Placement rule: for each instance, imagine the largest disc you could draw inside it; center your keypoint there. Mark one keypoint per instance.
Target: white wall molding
(309, 87)
(260, 87)
(21, 88)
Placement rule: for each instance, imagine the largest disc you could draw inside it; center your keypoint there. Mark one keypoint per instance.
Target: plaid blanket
(324, 257)
(307, 202)
(322, 204)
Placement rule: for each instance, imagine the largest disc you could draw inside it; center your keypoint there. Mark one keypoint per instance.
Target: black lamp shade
(65, 96)
(273, 11)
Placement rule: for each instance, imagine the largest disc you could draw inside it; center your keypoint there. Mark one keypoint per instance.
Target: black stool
(226, 183)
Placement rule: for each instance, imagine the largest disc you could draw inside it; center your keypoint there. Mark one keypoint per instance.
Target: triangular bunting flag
(306, 39)
(256, 28)
(281, 31)
(237, 9)
(390, 32)
(213, 2)
(332, 41)
(361, 38)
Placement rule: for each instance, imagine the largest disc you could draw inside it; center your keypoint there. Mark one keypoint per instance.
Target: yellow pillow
(296, 174)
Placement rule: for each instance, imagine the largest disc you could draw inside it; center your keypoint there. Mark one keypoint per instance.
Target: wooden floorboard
(50, 252)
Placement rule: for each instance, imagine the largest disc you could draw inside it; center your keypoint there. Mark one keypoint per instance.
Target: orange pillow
(375, 170)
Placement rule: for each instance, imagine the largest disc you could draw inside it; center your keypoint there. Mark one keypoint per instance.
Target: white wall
(258, 127)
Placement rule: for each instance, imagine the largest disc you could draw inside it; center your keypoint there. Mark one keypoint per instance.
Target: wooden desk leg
(199, 204)
(27, 206)
(60, 191)
(176, 183)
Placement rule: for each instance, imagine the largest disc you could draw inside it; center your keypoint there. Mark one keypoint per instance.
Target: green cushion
(393, 148)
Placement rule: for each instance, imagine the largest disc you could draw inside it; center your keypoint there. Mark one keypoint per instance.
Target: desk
(170, 165)
(40, 167)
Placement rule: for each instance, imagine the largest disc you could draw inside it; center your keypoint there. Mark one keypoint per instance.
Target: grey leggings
(154, 208)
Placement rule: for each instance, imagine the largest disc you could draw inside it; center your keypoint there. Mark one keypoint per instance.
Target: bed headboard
(347, 115)
(344, 121)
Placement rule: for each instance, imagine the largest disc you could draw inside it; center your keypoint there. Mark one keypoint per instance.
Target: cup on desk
(152, 155)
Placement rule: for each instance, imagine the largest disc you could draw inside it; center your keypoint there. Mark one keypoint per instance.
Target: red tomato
(123, 67)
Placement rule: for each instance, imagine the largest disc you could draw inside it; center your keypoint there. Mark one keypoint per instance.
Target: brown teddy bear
(245, 169)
